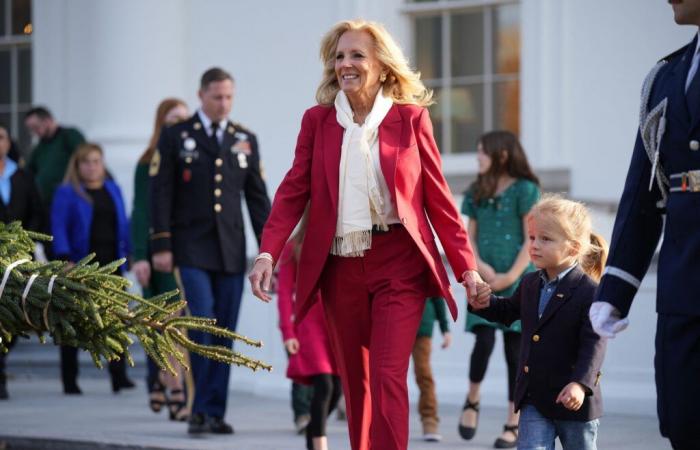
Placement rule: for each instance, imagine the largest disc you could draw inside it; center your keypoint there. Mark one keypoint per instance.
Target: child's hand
(292, 346)
(500, 282)
(483, 296)
(446, 340)
(571, 397)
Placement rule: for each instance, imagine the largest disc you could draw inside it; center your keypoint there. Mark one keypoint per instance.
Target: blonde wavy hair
(402, 84)
(572, 221)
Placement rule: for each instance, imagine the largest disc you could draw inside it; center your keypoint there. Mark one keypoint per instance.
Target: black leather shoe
(502, 443)
(3, 391)
(72, 389)
(218, 426)
(198, 424)
(119, 383)
(468, 432)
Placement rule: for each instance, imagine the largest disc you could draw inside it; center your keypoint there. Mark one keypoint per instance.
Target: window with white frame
(468, 52)
(15, 67)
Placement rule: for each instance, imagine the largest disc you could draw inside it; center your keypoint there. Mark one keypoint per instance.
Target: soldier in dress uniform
(664, 180)
(201, 168)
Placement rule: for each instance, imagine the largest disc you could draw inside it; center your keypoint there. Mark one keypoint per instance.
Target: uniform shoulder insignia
(154, 166)
(672, 55)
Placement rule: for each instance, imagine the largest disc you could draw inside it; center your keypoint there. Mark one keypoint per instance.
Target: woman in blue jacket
(87, 215)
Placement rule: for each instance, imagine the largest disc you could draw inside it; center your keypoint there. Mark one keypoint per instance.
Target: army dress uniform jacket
(196, 195)
(652, 189)
(556, 349)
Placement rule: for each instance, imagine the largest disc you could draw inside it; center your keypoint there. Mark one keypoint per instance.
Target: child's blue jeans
(536, 432)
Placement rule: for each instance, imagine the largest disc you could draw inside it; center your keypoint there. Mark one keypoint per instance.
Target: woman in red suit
(367, 164)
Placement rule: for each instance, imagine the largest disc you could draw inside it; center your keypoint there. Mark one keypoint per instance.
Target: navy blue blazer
(556, 349)
(639, 220)
(71, 221)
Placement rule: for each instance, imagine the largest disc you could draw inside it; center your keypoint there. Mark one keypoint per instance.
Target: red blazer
(411, 165)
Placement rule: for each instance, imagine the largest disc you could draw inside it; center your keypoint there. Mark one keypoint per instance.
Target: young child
(311, 360)
(557, 391)
(435, 310)
(497, 204)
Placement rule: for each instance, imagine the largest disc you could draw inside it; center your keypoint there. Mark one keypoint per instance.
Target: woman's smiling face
(357, 67)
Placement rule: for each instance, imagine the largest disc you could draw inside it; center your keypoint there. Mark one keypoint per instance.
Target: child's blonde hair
(573, 221)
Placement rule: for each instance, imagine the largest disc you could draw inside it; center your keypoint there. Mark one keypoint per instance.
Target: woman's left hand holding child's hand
(572, 396)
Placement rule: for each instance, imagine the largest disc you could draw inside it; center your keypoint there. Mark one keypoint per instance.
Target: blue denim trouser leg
(537, 432)
(217, 295)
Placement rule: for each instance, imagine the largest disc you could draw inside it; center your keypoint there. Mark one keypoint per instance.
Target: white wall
(583, 66)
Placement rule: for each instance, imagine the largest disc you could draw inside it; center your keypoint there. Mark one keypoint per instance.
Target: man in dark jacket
(198, 174)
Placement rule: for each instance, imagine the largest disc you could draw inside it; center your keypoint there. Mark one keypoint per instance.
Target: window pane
(506, 39)
(2, 17)
(506, 106)
(24, 58)
(429, 47)
(467, 39)
(24, 140)
(4, 77)
(21, 17)
(467, 117)
(6, 121)
(436, 117)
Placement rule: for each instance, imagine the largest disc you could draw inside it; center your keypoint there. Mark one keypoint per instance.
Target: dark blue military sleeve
(635, 235)
(256, 198)
(162, 177)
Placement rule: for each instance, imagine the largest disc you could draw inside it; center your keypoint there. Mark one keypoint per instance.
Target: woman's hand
(572, 396)
(142, 270)
(260, 277)
(478, 292)
(292, 346)
(501, 281)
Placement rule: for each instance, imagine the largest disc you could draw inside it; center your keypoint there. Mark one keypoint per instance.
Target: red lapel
(389, 137)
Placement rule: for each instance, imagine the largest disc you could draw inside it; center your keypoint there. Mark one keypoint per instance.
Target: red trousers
(373, 307)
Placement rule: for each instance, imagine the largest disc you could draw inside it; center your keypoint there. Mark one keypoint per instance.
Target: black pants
(327, 391)
(69, 367)
(677, 364)
(483, 347)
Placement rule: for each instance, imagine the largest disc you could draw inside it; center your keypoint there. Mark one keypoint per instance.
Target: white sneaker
(432, 437)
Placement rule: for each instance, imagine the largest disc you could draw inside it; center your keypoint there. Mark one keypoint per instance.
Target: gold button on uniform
(694, 145)
(217, 192)
(217, 208)
(536, 338)
(526, 369)
(219, 162)
(218, 177)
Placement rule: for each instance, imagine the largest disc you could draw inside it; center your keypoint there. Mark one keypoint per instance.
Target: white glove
(605, 319)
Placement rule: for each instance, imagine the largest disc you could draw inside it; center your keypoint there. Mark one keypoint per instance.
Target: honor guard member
(201, 168)
(664, 179)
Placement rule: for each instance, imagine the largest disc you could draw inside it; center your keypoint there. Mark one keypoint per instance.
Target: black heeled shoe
(156, 397)
(72, 389)
(502, 443)
(177, 405)
(468, 432)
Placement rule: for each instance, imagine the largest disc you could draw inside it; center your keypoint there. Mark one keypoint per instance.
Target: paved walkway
(99, 419)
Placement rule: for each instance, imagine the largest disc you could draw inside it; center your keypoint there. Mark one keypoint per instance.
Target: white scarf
(360, 201)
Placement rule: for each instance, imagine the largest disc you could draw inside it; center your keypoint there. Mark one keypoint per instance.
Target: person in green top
(497, 204)
(49, 159)
(169, 112)
(435, 310)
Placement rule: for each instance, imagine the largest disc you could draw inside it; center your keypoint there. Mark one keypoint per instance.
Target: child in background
(427, 402)
(311, 361)
(497, 204)
(557, 392)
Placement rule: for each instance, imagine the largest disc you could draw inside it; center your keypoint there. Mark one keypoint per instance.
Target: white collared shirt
(694, 64)
(206, 123)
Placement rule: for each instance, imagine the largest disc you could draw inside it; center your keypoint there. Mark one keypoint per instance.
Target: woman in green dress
(497, 204)
(169, 111)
